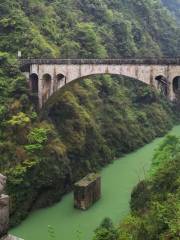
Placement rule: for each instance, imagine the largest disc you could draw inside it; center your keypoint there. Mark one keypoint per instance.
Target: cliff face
(86, 125)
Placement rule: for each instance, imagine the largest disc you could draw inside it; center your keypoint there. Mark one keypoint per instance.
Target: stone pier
(87, 191)
(4, 212)
(4, 215)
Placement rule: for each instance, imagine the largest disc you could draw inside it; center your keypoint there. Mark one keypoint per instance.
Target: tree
(106, 231)
(89, 41)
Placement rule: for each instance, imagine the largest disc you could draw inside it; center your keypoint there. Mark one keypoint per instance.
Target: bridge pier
(172, 95)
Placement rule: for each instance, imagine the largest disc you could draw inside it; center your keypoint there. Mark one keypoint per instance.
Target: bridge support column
(40, 93)
(172, 95)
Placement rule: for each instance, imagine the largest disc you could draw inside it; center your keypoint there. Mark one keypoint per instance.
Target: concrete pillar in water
(87, 191)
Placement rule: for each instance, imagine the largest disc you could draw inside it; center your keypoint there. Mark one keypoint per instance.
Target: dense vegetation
(155, 202)
(86, 28)
(174, 7)
(86, 125)
(101, 129)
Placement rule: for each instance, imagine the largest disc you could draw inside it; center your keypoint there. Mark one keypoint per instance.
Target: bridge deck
(138, 61)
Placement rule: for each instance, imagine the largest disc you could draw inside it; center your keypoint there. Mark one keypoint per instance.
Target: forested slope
(90, 122)
(85, 28)
(174, 7)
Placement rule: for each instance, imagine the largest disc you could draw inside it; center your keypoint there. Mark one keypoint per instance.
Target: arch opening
(60, 77)
(163, 84)
(60, 80)
(34, 80)
(47, 77)
(176, 85)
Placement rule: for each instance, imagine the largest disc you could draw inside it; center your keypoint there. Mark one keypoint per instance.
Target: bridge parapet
(135, 61)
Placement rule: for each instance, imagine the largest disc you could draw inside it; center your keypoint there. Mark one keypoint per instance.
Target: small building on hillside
(87, 191)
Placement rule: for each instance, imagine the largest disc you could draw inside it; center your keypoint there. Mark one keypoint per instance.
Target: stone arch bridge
(46, 76)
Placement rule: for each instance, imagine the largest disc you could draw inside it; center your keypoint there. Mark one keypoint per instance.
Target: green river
(118, 180)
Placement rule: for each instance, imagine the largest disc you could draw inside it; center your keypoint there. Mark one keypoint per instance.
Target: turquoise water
(118, 180)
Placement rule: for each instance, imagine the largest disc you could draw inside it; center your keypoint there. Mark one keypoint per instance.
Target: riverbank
(118, 180)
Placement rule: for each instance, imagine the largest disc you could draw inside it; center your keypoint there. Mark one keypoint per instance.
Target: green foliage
(93, 114)
(140, 196)
(174, 7)
(37, 138)
(20, 120)
(90, 42)
(166, 152)
(106, 231)
(88, 29)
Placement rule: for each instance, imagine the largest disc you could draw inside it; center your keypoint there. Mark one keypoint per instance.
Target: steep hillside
(174, 7)
(85, 125)
(85, 28)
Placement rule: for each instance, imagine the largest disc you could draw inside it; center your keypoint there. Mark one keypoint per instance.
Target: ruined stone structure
(46, 76)
(4, 212)
(2, 183)
(87, 191)
(4, 215)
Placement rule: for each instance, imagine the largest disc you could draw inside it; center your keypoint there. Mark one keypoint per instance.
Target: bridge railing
(147, 61)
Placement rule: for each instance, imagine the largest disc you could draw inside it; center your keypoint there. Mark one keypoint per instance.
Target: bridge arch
(34, 82)
(106, 73)
(113, 71)
(60, 80)
(176, 84)
(84, 77)
(160, 77)
(47, 78)
(162, 84)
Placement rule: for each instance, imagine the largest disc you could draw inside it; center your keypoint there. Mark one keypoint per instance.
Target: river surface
(118, 180)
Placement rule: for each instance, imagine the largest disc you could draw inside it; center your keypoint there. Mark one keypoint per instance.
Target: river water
(118, 180)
